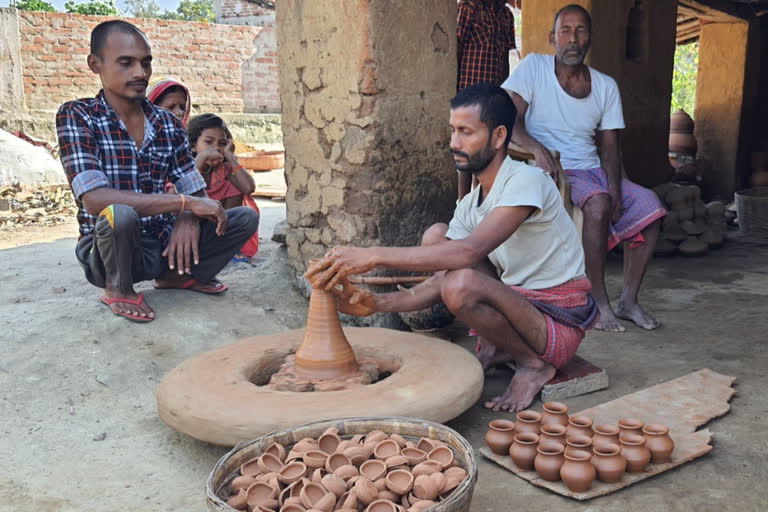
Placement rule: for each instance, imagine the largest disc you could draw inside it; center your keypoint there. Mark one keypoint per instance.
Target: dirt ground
(77, 385)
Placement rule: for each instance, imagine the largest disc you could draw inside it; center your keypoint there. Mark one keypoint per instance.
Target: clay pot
(451, 482)
(442, 455)
(318, 474)
(414, 456)
(335, 461)
(396, 461)
(388, 495)
(346, 472)
(365, 490)
(293, 455)
(680, 122)
(425, 488)
(328, 442)
(421, 505)
(239, 500)
(658, 442)
(373, 469)
(292, 472)
(386, 449)
(304, 445)
(380, 484)
(682, 143)
(579, 426)
(630, 426)
(459, 473)
(577, 471)
(426, 468)
(400, 481)
(250, 467)
(440, 480)
(314, 495)
(500, 436)
(528, 421)
(381, 506)
(277, 450)
(375, 437)
(269, 463)
(608, 462)
(549, 460)
(357, 455)
(400, 440)
(347, 500)
(261, 494)
(634, 450)
(577, 443)
(523, 450)
(554, 413)
(427, 445)
(606, 433)
(553, 432)
(315, 459)
(241, 482)
(334, 484)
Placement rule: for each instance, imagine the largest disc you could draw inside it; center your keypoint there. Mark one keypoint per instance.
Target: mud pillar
(365, 90)
(633, 41)
(12, 88)
(723, 88)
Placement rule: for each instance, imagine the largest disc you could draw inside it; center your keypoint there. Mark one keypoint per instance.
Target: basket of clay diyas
(559, 447)
(348, 465)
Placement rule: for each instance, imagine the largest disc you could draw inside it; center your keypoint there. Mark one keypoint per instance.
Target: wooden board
(684, 404)
(578, 377)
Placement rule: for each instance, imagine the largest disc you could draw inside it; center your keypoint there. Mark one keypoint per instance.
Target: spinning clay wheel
(265, 383)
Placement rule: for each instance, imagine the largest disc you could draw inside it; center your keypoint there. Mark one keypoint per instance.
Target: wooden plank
(718, 10)
(684, 404)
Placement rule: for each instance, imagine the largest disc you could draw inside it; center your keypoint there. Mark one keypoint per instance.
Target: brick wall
(212, 59)
(262, 93)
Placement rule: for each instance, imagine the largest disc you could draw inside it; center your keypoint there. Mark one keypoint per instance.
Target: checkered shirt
(97, 151)
(487, 30)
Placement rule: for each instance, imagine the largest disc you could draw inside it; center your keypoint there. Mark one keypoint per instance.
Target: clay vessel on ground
(500, 436)
(577, 471)
(658, 442)
(523, 450)
(606, 433)
(552, 432)
(549, 460)
(630, 426)
(579, 426)
(577, 442)
(608, 461)
(528, 421)
(325, 353)
(554, 412)
(634, 450)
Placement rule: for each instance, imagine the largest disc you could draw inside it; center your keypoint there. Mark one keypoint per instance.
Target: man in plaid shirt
(118, 151)
(485, 35)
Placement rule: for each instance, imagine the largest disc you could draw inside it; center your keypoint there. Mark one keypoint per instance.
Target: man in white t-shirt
(564, 105)
(509, 264)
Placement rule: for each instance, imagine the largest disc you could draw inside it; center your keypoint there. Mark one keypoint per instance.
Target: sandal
(108, 301)
(213, 287)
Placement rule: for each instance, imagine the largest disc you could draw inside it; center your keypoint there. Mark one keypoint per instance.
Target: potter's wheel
(223, 396)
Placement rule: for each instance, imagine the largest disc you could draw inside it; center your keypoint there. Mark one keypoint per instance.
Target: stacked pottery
(372, 473)
(681, 138)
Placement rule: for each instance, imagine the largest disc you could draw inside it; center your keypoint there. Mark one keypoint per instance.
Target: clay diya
(386, 449)
(347, 500)
(608, 461)
(442, 455)
(328, 442)
(634, 450)
(262, 494)
(554, 413)
(579, 426)
(250, 467)
(315, 459)
(396, 462)
(549, 460)
(334, 484)
(630, 426)
(658, 442)
(426, 468)
(425, 488)
(528, 421)
(292, 472)
(427, 445)
(239, 500)
(241, 482)
(346, 472)
(314, 496)
(500, 436)
(606, 433)
(269, 463)
(400, 440)
(414, 455)
(365, 490)
(373, 469)
(524, 450)
(577, 471)
(277, 450)
(381, 506)
(400, 481)
(577, 442)
(421, 505)
(553, 432)
(335, 461)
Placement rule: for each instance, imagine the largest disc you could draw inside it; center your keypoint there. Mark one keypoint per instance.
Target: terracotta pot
(442, 455)
(239, 500)
(334, 484)
(523, 450)
(425, 488)
(554, 412)
(311, 494)
(373, 469)
(680, 122)
(347, 500)
(269, 463)
(682, 143)
(277, 450)
(500, 436)
(606, 433)
(292, 472)
(553, 432)
(427, 445)
(658, 442)
(315, 459)
(396, 461)
(346, 472)
(608, 461)
(261, 494)
(549, 460)
(577, 471)
(414, 456)
(335, 461)
(630, 426)
(577, 443)
(381, 506)
(440, 480)
(579, 426)
(328, 442)
(400, 481)
(241, 482)
(634, 450)
(250, 467)
(386, 449)
(426, 468)
(357, 454)
(528, 421)
(375, 437)
(304, 445)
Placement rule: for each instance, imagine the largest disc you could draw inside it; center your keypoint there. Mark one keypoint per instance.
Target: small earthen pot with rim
(577, 471)
(335, 461)
(373, 469)
(500, 436)
(658, 442)
(292, 472)
(239, 500)
(381, 506)
(314, 495)
(523, 450)
(346, 472)
(328, 442)
(442, 455)
(608, 461)
(314, 459)
(277, 450)
(549, 460)
(425, 488)
(606, 433)
(630, 426)
(528, 421)
(579, 426)
(261, 494)
(414, 455)
(577, 442)
(554, 413)
(400, 481)
(552, 432)
(386, 449)
(634, 450)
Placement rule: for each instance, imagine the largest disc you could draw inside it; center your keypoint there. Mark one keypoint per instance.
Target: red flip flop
(135, 302)
(215, 287)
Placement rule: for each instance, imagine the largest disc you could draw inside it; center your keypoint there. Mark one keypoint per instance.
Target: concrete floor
(71, 372)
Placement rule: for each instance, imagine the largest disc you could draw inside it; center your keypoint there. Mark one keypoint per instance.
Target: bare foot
(141, 309)
(522, 389)
(489, 356)
(635, 313)
(608, 321)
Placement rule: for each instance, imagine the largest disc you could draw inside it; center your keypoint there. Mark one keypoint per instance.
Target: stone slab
(684, 404)
(269, 183)
(576, 378)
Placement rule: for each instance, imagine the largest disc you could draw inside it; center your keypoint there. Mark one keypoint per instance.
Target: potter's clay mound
(212, 397)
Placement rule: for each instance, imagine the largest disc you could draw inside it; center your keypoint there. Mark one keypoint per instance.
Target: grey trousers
(119, 254)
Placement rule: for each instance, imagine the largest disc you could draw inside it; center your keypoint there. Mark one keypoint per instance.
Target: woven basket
(752, 211)
(410, 428)
(262, 160)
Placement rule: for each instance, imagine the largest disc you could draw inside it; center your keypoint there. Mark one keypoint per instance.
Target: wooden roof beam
(717, 10)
